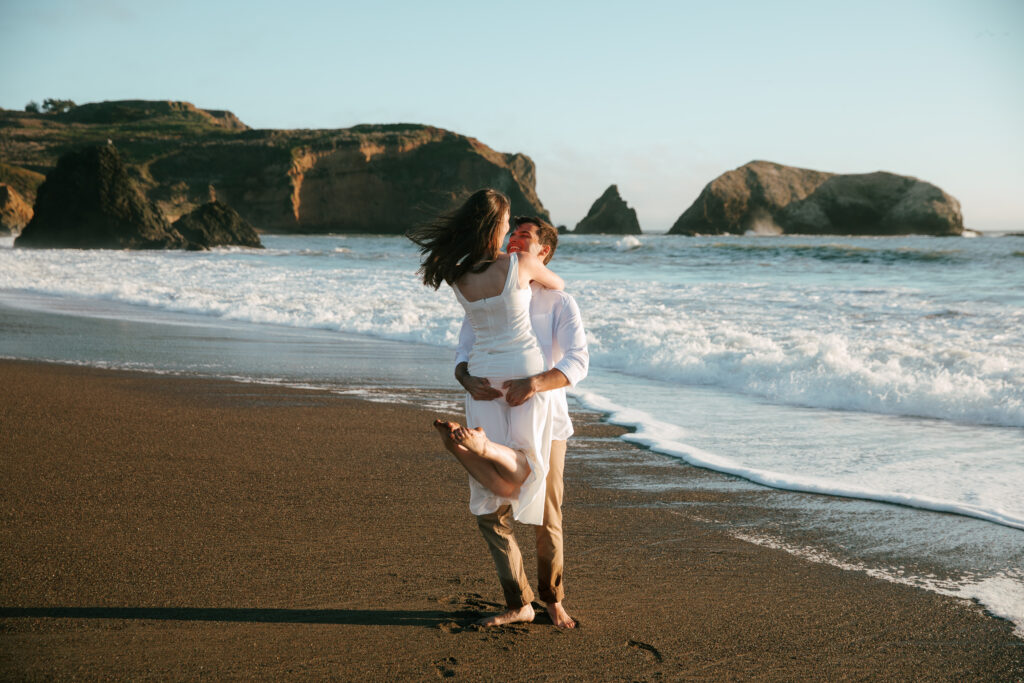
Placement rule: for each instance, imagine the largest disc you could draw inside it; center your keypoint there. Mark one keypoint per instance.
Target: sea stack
(216, 225)
(15, 213)
(768, 198)
(90, 202)
(609, 215)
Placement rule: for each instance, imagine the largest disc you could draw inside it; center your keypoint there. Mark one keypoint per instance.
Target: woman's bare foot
(480, 468)
(445, 429)
(473, 440)
(559, 617)
(520, 615)
(511, 464)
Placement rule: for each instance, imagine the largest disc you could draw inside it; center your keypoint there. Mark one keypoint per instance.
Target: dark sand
(173, 528)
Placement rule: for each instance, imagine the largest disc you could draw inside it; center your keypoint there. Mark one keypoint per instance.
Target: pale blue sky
(658, 97)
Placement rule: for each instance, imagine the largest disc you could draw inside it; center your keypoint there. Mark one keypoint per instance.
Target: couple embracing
(522, 342)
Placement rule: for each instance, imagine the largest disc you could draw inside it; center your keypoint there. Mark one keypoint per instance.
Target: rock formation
(215, 225)
(874, 204)
(15, 213)
(768, 198)
(90, 201)
(745, 199)
(369, 178)
(609, 215)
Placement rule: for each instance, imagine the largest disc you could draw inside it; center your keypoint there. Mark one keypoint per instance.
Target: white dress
(507, 348)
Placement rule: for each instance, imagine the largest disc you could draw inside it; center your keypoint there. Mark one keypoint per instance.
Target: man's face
(524, 238)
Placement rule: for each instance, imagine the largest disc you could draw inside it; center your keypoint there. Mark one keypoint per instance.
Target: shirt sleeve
(466, 340)
(572, 339)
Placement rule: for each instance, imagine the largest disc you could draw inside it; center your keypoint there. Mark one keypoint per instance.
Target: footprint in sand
(644, 646)
(446, 667)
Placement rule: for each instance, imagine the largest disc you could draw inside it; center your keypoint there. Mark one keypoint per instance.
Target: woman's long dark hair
(464, 240)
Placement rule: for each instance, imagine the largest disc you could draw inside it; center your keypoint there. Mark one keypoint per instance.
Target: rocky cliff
(372, 178)
(768, 198)
(15, 213)
(609, 215)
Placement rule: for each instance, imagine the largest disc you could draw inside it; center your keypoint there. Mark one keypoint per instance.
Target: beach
(181, 527)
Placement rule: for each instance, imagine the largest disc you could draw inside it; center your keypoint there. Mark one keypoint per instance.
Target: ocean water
(876, 369)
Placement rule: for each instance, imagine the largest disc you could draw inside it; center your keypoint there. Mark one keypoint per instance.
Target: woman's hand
(532, 269)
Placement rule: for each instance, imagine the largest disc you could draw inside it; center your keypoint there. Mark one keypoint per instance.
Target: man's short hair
(547, 234)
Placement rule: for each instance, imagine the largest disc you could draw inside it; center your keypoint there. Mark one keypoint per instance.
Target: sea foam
(888, 350)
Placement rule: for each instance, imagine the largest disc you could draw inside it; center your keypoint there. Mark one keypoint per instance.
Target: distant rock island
(609, 215)
(369, 178)
(768, 198)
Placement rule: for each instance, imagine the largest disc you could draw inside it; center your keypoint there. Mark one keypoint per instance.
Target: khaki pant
(497, 530)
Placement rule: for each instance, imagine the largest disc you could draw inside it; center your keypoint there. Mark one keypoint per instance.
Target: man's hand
(478, 387)
(519, 391)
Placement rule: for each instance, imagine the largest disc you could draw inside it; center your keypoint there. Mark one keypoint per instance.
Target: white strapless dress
(507, 348)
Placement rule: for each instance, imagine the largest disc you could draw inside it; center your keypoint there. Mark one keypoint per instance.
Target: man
(559, 328)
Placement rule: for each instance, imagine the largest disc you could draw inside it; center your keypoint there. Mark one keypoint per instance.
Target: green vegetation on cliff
(26, 182)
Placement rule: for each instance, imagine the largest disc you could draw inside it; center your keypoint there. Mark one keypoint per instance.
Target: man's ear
(544, 251)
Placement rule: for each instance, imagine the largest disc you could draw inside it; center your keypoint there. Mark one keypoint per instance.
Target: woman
(505, 449)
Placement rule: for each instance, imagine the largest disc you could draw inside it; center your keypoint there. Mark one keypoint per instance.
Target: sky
(656, 97)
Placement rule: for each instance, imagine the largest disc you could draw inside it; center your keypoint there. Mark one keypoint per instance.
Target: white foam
(816, 348)
(884, 351)
(628, 243)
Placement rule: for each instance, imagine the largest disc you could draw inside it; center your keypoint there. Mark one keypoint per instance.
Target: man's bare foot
(559, 617)
(445, 429)
(520, 615)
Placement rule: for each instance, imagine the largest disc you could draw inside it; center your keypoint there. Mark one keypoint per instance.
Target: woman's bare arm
(532, 269)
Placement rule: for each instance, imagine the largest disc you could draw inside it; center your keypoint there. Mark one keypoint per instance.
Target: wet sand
(162, 527)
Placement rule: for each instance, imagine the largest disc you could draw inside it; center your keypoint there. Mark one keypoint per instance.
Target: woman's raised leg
(499, 468)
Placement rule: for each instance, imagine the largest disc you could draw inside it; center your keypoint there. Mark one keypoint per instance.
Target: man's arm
(572, 340)
(519, 391)
(570, 369)
(478, 387)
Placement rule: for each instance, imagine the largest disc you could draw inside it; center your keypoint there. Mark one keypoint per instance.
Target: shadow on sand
(367, 617)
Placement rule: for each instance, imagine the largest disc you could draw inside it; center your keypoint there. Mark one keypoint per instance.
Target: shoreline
(172, 526)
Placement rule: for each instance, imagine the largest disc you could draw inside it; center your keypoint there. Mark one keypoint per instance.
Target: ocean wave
(628, 243)
(882, 350)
